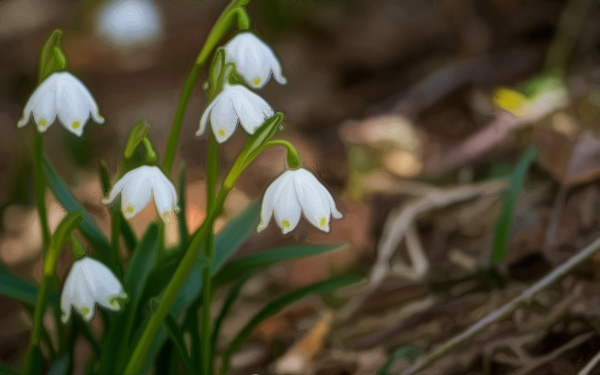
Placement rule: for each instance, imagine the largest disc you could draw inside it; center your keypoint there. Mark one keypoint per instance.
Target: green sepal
(137, 134)
(52, 57)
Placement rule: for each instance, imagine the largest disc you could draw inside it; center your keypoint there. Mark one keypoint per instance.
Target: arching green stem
(234, 9)
(293, 156)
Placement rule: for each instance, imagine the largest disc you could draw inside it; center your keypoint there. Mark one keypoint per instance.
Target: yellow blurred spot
(323, 222)
(221, 132)
(76, 124)
(509, 100)
(85, 311)
(167, 216)
(42, 123)
(129, 209)
(256, 81)
(285, 224)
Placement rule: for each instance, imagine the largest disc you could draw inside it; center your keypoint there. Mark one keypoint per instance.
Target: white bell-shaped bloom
(137, 188)
(235, 103)
(64, 95)
(130, 23)
(254, 60)
(88, 283)
(293, 192)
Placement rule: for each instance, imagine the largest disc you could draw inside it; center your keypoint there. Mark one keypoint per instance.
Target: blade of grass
(509, 202)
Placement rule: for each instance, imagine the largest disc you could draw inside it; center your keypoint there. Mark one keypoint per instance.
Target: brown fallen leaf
(299, 359)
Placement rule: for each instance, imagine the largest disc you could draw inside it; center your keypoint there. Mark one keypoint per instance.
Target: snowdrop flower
(293, 192)
(137, 187)
(64, 95)
(130, 23)
(235, 103)
(88, 283)
(254, 60)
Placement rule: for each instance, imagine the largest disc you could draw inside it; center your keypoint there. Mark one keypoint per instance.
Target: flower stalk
(234, 9)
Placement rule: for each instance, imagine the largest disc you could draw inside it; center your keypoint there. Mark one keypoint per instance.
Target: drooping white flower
(235, 103)
(254, 60)
(137, 187)
(130, 23)
(88, 283)
(293, 192)
(64, 95)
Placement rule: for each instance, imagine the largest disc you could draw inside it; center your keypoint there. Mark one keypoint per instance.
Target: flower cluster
(293, 193)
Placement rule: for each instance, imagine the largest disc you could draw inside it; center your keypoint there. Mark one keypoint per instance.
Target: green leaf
(7, 370)
(177, 337)
(233, 294)
(136, 136)
(262, 260)
(13, 287)
(88, 228)
(52, 58)
(409, 352)
(235, 233)
(181, 219)
(145, 258)
(275, 306)
(226, 243)
(509, 201)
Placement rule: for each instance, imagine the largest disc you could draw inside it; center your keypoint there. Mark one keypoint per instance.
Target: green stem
(212, 174)
(50, 258)
(134, 366)
(114, 241)
(293, 156)
(40, 187)
(216, 34)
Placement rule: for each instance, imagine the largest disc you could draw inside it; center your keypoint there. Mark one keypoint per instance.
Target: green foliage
(262, 260)
(409, 352)
(13, 287)
(275, 306)
(88, 228)
(52, 58)
(509, 201)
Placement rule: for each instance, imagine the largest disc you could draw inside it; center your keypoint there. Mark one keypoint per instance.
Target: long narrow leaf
(145, 258)
(23, 291)
(264, 259)
(504, 223)
(177, 338)
(66, 198)
(226, 243)
(280, 303)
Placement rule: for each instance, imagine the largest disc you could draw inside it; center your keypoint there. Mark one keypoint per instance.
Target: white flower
(130, 23)
(235, 103)
(90, 282)
(64, 95)
(254, 60)
(137, 187)
(293, 192)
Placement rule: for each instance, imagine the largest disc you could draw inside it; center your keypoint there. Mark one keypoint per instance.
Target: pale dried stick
(504, 311)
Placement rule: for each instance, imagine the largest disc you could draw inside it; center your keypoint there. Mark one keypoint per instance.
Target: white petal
(251, 109)
(76, 294)
(314, 204)
(118, 186)
(74, 103)
(136, 193)
(103, 285)
(223, 119)
(164, 197)
(44, 91)
(276, 68)
(268, 201)
(43, 103)
(205, 114)
(286, 206)
(254, 59)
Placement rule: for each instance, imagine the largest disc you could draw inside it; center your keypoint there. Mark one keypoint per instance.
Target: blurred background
(415, 113)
